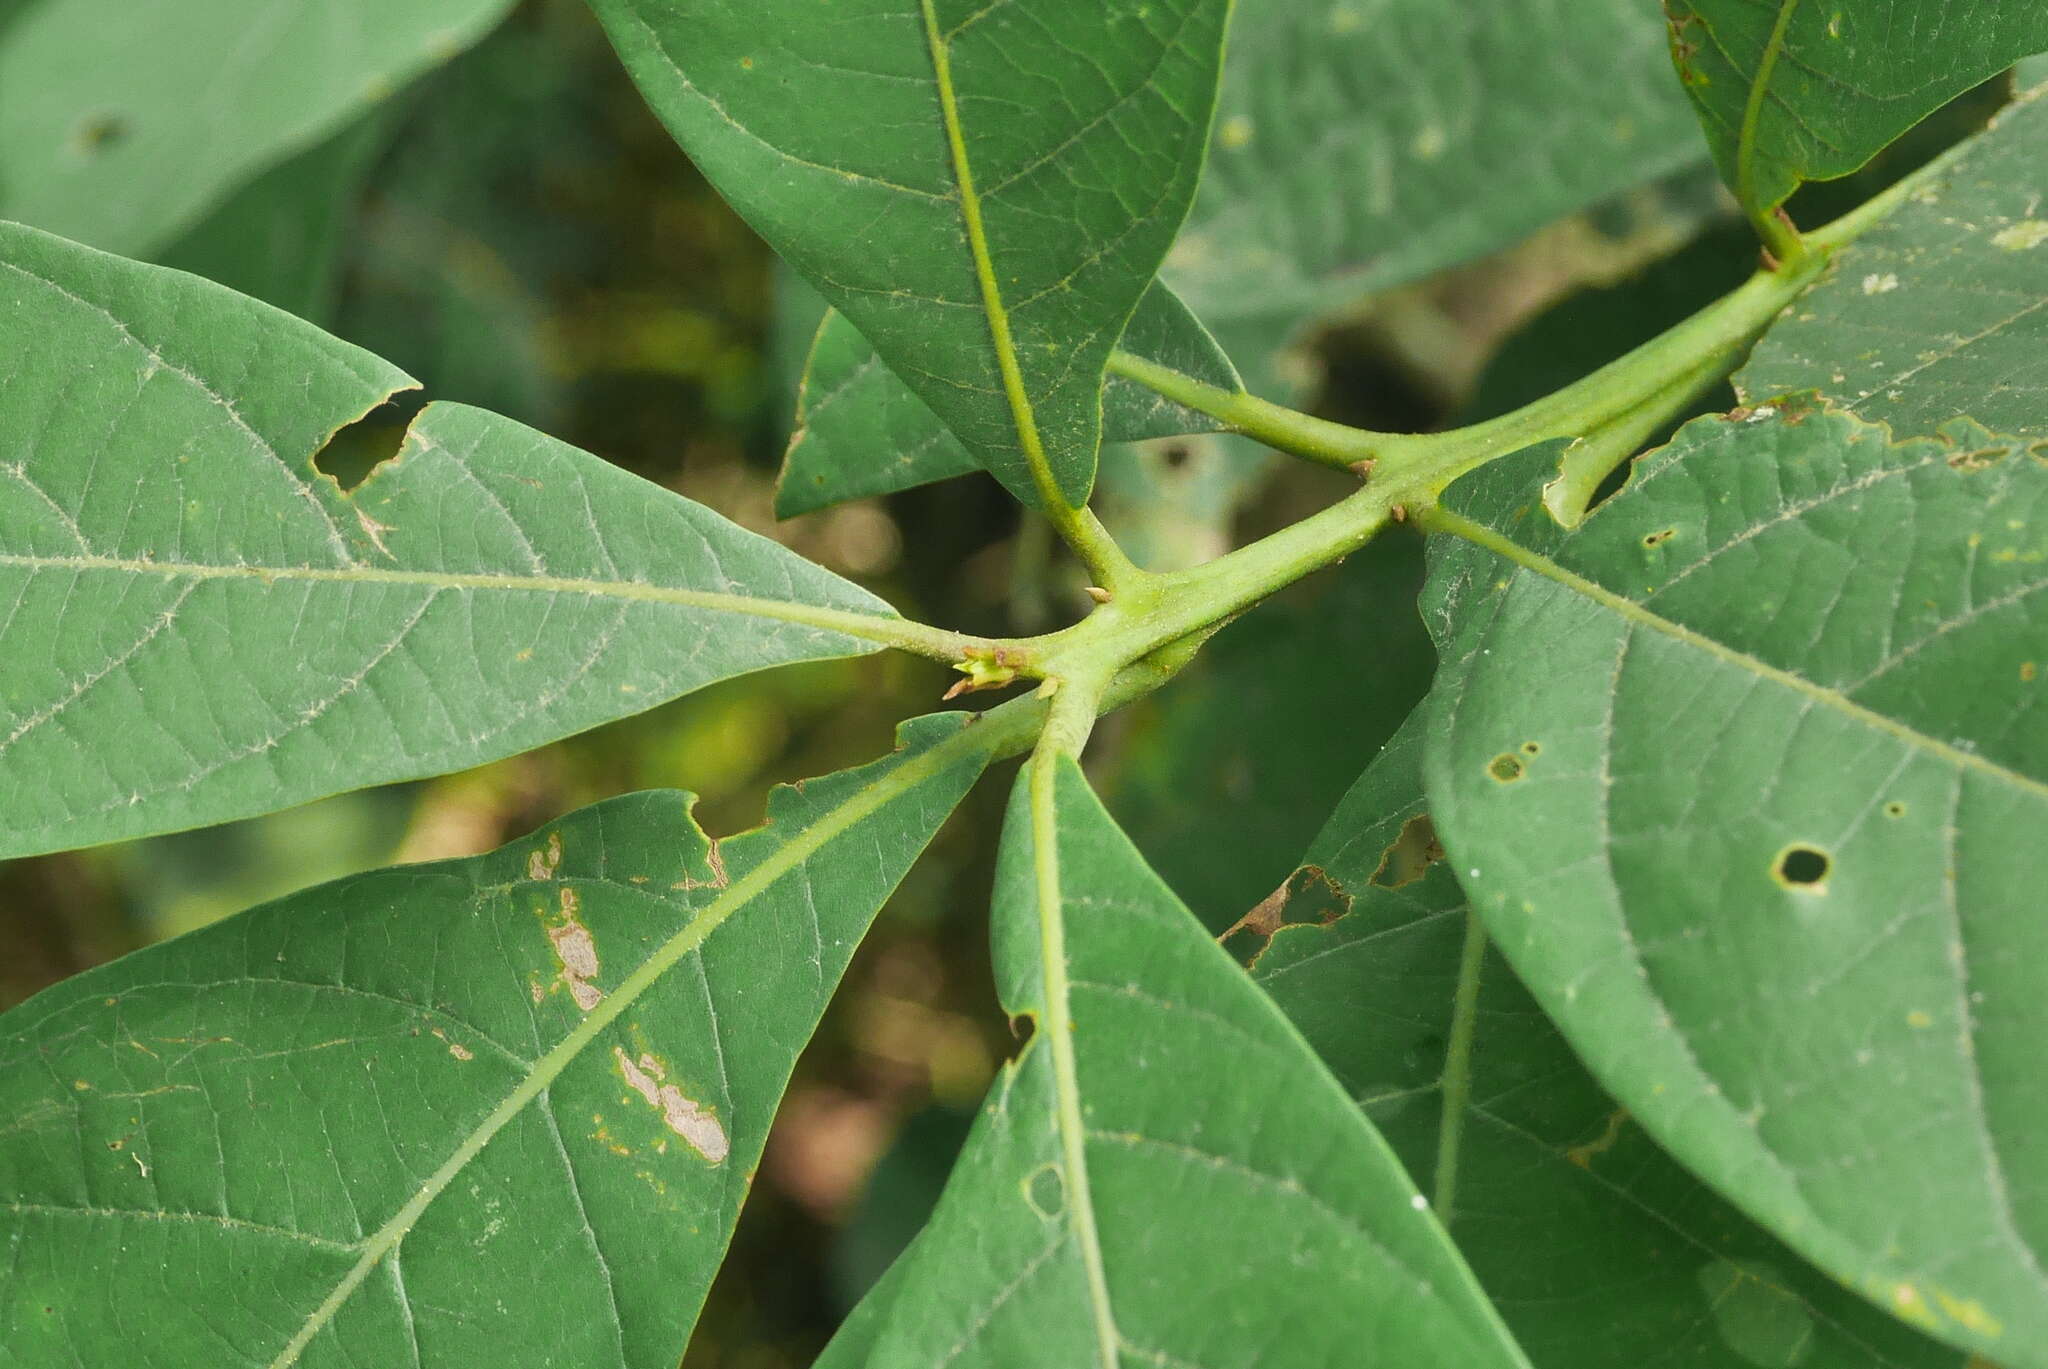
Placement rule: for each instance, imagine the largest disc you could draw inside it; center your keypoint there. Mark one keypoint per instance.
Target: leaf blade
(226, 631)
(479, 1060)
(1847, 791)
(861, 431)
(1004, 1275)
(125, 135)
(999, 304)
(1598, 1248)
(1790, 92)
(1939, 312)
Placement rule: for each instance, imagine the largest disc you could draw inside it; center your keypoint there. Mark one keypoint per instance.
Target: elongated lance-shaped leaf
(198, 626)
(1163, 1145)
(125, 134)
(1360, 146)
(1941, 310)
(1600, 1251)
(421, 1115)
(1747, 777)
(862, 431)
(1808, 90)
(983, 190)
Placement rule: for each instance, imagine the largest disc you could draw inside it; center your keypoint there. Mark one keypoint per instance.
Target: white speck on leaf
(685, 1118)
(1876, 284)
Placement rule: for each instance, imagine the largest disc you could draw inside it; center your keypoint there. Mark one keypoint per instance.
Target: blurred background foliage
(518, 232)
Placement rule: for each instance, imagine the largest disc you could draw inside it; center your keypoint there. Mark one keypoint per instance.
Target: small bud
(1098, 594)
(1400, 512)
(1363, 469)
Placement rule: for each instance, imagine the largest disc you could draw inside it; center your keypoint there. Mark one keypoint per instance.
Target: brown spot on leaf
(1308, 897)
(543, 863)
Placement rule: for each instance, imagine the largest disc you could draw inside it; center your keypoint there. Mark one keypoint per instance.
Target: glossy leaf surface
(122, 127)
(1163, 1143)
(1790, 91)
(985, 191)
(428, 1113)
(1743, 777)
(199, 626)
(1599, 1249)
(862, 431)
(1940, 312)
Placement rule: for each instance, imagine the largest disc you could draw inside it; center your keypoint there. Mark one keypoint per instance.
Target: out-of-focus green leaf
(1217, 778)
(1600, 1250)
(279, 238)
(202, 626)
(1745, 776)
(862, 431)
(1166, 1175)
(124, 129)
(1362, 145)
(985, 191)
(1940, 311)
(1791, 92)
(425, 1114)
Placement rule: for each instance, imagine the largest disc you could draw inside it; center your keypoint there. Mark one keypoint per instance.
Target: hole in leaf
(1023, 1026)
(1802, 867)
(101, 133)
(1532, 748)
(1308, 896)
(1506, 767)
(1175, 455)
(1895, 809)
(1654, 538)
(1411, 855)
(355, 452)
(1046, 1191)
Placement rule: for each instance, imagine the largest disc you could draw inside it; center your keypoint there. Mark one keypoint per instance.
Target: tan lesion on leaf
(714, 860)
(542, 863)
(575, 951)
(1409, 856)
(697, 1125)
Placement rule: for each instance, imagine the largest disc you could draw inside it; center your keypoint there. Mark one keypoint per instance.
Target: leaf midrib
(993, 309)
(863, 625)
(383, 1241)
(1637, 614)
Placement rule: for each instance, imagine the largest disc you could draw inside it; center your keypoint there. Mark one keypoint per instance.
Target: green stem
(1457, 1077)
(1293, 432)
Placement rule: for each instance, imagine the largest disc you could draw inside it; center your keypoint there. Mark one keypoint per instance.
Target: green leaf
(1940, 310)
(985, 191)
(1791, 92)
(1216, 778)
(861, 431)
(1165, 1175)
(125, 134)
(1746, 776)
(201, 627)
(280, 237)
(421, 1115)
(1600, 1250)
(1361, 146)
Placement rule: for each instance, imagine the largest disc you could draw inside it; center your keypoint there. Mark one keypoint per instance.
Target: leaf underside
(1231, 1206)
(124, 134)
(861, 431)
(1744, 777)
(1600, 1251)
(421, 1115)
(1791, 91)
(199, 626)
(984, 191)
(1941, 310)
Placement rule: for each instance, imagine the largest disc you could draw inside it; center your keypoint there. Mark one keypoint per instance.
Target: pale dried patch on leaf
(648, 1077)
(576, 950)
